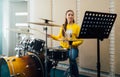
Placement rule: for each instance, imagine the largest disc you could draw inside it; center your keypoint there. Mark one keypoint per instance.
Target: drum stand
(54, 68)
(70, 68)
(68, 72)
(70, 43)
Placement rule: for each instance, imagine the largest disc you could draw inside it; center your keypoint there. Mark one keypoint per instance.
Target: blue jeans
(73, 54)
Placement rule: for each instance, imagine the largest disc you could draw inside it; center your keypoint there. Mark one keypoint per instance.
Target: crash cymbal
(28, 28)
(44, 24)
(20, 31)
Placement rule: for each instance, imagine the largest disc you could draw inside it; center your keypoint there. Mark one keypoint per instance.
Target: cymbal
(28, 28)
(46, 20)
(44, 24)
(20, 31)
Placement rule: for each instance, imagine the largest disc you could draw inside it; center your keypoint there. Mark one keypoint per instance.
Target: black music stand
(97, 25)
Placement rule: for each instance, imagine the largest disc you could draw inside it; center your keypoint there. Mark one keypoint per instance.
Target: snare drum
(30, 65)
(59, 54)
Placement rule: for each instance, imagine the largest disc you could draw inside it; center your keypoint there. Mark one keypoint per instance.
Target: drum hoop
(33, 54)
(3, 60)
(59, 49)
(12, 66)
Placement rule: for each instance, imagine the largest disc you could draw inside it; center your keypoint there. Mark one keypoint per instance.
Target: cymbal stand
(45, 28)
(27, 42)
(18, 46)
(46, 59)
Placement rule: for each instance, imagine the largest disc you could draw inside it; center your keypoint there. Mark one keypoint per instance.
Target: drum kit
(33, 58)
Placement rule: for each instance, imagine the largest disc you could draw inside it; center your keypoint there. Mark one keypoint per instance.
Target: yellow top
(73, 29)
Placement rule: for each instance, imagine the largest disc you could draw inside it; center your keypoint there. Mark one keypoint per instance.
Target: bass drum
(30, 65)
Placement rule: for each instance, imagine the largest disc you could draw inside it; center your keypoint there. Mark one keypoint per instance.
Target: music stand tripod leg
(98, 57)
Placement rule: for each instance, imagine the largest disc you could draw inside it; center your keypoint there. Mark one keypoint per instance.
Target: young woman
(70, 31)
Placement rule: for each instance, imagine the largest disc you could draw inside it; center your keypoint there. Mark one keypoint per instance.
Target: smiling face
(70, 17)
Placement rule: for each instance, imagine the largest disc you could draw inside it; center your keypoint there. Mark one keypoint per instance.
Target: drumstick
(69, 40)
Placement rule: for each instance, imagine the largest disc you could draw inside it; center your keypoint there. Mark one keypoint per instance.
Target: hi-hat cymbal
(69, 40)
(45, 24)
(20, 31)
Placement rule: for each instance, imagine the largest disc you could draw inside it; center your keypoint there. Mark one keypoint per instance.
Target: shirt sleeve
(59, 36)
(78, 41)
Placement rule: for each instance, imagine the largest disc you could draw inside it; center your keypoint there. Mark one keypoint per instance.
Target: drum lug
(13, 59)
(7, 60)
(27, 66)
(12, 75)
(39, 69)
(18, 74)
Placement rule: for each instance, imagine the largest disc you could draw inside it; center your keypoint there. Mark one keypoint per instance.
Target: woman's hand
(48, 35)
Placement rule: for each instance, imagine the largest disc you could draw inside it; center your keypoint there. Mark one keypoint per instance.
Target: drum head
(4, 70)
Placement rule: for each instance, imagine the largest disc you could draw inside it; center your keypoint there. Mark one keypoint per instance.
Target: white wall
(40, 9)
(5, 36)
(9, 21)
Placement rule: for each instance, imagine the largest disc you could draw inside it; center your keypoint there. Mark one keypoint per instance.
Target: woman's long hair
(66, 22)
